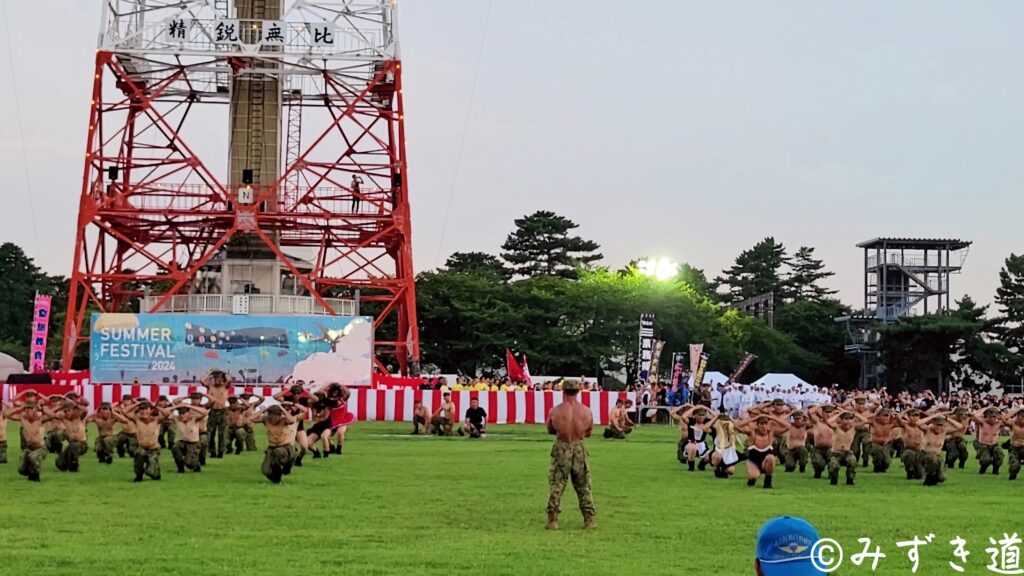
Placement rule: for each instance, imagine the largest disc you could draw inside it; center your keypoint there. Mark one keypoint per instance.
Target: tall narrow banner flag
(747, 359)
(677, 368)
(659, 345)
(646, 351)
(40, 330)
(526, 372)
(695, 351)
(702, 365)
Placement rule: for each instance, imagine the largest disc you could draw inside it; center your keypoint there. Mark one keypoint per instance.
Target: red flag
(526, 372)
(515, 373)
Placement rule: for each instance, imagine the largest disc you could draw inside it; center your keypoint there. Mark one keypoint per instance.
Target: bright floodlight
(658, 268)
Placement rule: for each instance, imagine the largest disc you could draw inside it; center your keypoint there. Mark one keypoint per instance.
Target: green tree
(979, 358)
(473, 262)
(541, 245)
(757, 271)
(917, 352)
(1010, 299)
(812, 326)
(806, 272)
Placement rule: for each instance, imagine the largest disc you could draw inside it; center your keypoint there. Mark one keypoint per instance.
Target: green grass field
(394, 504)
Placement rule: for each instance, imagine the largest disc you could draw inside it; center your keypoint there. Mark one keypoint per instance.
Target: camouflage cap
(778, 402)
(991, 411)
(828, 408)
(275, 410)
(570, 385)
(798, 414)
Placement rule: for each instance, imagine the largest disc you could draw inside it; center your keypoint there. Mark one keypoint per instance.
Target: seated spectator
(476, 421)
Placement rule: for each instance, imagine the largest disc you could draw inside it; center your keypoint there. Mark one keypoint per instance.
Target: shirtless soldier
(281, 427)
(822, 434)
(570, 422)
(883, 427)
(1016, 443)
(441, 423)
(421, 416)
(250, 434)
(796, 442)
(937, 429)
(237, 420)
(186, 447)
(844, 435)
(619, 425)
(217, 383)
(956, 445)
(32, 418)
(73, 416)
(147, 419)
(761, 431)
(167, 428)
(127, 441)
(913, 439)
(104, 418)
(989, 453)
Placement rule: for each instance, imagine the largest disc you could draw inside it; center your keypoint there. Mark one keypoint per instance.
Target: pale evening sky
(677, 128)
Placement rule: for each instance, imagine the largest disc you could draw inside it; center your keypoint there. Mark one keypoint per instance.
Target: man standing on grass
(570, 422)
(936, 433)
(989, 453)
(127, 441)
(216, 383)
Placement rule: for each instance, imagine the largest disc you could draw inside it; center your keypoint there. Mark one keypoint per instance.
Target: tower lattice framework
(190, 168)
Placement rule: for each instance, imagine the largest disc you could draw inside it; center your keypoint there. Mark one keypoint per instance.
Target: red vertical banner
(40, 330)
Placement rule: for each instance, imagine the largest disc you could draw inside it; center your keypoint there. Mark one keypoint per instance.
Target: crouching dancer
(281, 429)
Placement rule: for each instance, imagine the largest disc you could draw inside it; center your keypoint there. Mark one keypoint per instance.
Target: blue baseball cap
(784, 547)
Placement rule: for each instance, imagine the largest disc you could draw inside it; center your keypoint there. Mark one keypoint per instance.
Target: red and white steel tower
(247, 156)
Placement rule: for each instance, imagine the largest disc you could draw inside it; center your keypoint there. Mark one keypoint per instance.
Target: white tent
(713, 378)
(8, 366)
(781, 380)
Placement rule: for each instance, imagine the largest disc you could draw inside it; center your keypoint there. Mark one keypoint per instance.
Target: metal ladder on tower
(256, 119)
(292, 150)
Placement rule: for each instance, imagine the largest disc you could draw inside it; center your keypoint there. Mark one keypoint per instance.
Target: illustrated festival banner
(646, 351)
(659, 345)
(702, 365)
(695, 351)
(747, 359)
(183, 348)
(40, 330)
(677, 368)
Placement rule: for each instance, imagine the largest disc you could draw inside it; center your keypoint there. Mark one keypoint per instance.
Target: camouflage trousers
(236, 437)
(1016, 459)
(613, 432)
(990, 455)
(32, 461)
(104, 448)
(837, 460)
(167, 434)
(912, 463)
(796, 457)
(934, 468)
(217, 425)
(819, 460)
(3, 451)
(569, 462)
(55, 441)
(67, 460)
(277, 462)
(956, 449)
(441, 426)
(780, 445)
(861, 445)
(881, 456)
(250, 439)
(126, 444)
(186, 455)
(147, 462)
(204, 445)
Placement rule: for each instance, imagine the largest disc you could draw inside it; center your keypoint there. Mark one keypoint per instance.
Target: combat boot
(589, 522)
(552, 521)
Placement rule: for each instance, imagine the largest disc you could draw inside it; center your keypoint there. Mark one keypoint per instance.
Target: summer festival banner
(183, 348)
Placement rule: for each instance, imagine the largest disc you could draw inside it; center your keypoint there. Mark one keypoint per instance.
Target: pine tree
(757, 271)
(541, 246)
(1010, 299)
(477, 263)
(806, 272)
